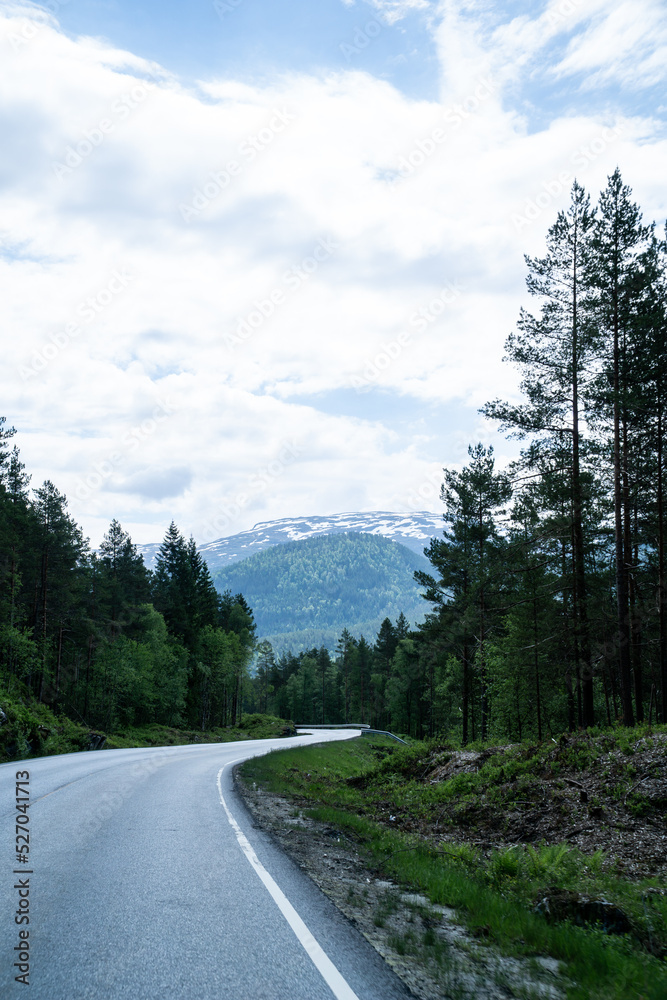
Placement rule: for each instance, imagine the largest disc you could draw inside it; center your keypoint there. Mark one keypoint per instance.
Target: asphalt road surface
(145, 880)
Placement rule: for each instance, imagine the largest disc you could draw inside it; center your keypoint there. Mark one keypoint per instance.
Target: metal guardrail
(383, 732)
(363, 726)
(341, 725)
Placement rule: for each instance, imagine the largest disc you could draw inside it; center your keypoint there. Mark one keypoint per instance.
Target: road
(147, 881)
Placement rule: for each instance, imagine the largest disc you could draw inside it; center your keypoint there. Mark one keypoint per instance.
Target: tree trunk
(581, 620)
(619, 541)
(662, 596)
(536, 662)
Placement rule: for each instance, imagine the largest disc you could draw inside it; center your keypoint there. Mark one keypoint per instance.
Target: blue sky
(254, 39)
(283, 243)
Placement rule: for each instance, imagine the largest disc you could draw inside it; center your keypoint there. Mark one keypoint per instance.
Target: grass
(252, 727)
(32, 730)
(359, 786)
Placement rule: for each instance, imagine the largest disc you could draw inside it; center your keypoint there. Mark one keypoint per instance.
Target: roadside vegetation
(31, 729)
(445, 822)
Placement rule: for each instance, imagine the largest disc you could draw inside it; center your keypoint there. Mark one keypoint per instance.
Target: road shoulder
(423, 944)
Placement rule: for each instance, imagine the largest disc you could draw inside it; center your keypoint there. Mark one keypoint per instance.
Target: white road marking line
(332, 977)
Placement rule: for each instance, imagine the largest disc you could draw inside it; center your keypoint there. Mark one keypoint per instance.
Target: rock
(415, 899)
(563, 904)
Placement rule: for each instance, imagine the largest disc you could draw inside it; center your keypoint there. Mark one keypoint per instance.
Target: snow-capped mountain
(413, 530)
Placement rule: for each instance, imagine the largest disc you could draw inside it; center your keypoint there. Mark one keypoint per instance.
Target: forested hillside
(318, 586)
(414, 530)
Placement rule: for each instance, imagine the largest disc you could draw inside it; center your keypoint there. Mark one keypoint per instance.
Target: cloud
(601, 42)
(626, 45)
(184, 262)
(154, 484)
(394, 10)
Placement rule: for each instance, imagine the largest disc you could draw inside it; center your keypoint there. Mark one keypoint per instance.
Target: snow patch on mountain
(413, 530)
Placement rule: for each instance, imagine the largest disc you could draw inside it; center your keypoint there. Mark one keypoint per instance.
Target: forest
(548, 609)
(324, 584)
(546, 600)
(96, 636)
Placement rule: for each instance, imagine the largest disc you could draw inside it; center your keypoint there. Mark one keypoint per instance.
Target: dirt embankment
(453, 965)
(614, 801)
(605, 795)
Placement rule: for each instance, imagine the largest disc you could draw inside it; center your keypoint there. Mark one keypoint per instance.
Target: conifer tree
(345, 646)
(467, 561)
(620, 245)
(61, 547)
(124, 584)
(554, 352)
(6, 434)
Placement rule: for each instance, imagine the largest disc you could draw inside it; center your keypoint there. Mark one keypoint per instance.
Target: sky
(259, 259)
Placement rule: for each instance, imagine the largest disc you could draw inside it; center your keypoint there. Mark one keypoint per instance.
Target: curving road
(146, 880)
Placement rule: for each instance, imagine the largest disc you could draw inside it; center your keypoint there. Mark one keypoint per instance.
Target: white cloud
(605, 41)
(394, 10)
(329, 216)
(627, 45)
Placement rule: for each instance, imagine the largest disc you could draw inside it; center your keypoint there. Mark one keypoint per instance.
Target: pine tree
(384, 649)
(467, 563)
(61, 548)
(402, 626)
(6, 434)
(654, 350)
(620, 245)
(554, 352)
(17, 522)
(183, 590)
(345, 646)
(266, 664)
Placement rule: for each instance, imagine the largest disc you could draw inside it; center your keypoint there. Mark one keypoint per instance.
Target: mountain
(411, 530)
(304, 593)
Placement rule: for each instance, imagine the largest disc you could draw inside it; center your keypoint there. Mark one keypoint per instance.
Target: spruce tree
(124, 580)
(57, 588)
(467, 563)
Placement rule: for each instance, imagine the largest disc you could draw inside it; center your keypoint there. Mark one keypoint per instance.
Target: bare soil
(453, 965)
(617, 803)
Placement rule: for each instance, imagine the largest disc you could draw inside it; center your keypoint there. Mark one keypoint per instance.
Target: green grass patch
(361, 789)
(252, 727)
(32, 729)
